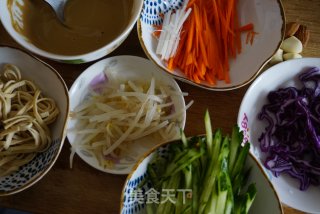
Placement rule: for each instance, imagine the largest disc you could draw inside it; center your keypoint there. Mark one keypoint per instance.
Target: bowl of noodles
(34, 106)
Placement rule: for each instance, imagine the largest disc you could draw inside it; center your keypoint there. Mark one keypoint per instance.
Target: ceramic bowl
(123, 68)
(281, 75)
(266, 200)
(268, 19)
(13, 7)
(52, 85)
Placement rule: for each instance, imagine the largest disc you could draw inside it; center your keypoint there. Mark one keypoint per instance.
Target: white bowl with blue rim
(266, 201)
(268, 19)
(279, 76)
(123, 68)
(52, 85)
(10, 8)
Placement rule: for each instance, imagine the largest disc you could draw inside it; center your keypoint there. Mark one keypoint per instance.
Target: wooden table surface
(86, 190)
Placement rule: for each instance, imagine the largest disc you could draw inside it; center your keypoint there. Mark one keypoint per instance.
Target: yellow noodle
(24, 118)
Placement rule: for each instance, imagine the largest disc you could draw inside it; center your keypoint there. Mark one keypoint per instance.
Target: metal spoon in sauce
(58, 7)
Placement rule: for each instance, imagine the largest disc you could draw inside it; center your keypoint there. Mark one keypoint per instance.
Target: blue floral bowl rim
(39, 176)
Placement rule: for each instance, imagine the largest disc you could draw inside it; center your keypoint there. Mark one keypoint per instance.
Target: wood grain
(86, 190)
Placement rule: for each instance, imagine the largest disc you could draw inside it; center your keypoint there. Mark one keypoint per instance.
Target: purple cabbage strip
(292, 137)
(98, 82)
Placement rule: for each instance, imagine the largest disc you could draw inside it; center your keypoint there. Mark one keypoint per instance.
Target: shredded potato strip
(123, 112)
(24, 119)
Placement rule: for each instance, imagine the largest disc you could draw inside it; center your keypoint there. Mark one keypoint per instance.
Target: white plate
(268, 19)
(125, 68)
(281, 75)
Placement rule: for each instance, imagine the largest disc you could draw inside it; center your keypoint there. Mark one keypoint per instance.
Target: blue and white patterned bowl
(52, 85)
(268, 19)
(267, 200)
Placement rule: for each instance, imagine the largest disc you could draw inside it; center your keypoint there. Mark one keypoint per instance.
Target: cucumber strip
(208, 128)
(184, 161)
(216, 144)
(171, 184)
(151, 208)
(240, 181)
(230, 198)
(241, 160)
(204, 158)
(250, 196)
(153, 177)
(179, 204)
(210, 179)
(183, 138)
(236, 140)
(195, 186)
(187, 171)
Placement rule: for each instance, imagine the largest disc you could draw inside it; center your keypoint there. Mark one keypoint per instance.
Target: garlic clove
(277, 57)
(289, 56)
(292, 45)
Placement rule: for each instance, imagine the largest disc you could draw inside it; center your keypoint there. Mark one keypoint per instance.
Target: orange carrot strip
(253, 34)
(202, 71)
(190, 36)
(210, 78)
(238, 35)
(189, 60)
(227, 77)
(156, 33)
(170, 64)
(247, 27)
(203, 50)
(248, 37)
(196, 78)
(190, 3)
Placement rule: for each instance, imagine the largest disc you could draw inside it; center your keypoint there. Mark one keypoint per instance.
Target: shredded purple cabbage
(292, 137)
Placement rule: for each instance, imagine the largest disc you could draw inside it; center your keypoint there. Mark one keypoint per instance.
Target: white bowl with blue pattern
(266, 201)
(268, 19)
(52, 85)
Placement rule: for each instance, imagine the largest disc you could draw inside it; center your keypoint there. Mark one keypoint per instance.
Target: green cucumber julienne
(206, 174)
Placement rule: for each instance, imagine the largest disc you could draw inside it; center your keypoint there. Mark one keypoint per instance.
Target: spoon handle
(58, 7)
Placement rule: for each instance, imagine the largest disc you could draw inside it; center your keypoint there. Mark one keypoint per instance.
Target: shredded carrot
(170, 64)
(253, 34)
(248, 37)
(248, 27)
(211, 35)
(157, 31)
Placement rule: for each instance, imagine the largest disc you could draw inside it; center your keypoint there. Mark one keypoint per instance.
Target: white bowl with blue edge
(269, 21)
(52, 85)
(266, 201)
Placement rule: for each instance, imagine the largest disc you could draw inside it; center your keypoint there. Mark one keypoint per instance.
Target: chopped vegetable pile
(292, 137)
(119, 112)
(212, 166)
(209, 36)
